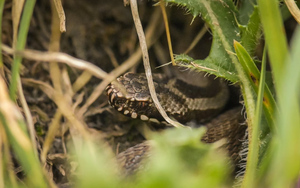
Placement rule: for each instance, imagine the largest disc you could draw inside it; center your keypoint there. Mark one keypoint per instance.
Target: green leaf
(222, 62)
(220, 16)
(180, 159)
(207, 65)
(251, 32)
(246, 10)
(96, 166)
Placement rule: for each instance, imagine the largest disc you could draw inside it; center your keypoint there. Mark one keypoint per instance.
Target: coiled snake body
(184, 98)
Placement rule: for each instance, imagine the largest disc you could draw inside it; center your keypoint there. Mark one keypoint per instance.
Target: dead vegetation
(64, 75)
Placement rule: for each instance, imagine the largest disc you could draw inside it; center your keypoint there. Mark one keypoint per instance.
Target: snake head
(130, 96)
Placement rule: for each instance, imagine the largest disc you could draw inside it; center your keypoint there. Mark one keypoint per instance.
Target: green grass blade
(250, 178)
(254, 77)
(22, 36)
(274, 35)
(1, 13)
(285, 166)
(21, 145)
(12, 122)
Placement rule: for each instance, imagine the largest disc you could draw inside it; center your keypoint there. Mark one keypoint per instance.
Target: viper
(190, 96)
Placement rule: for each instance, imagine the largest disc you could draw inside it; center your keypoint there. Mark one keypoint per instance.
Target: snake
(189, 96)
(181, 98)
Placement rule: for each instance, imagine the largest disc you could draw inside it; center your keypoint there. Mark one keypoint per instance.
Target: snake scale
(185, 98)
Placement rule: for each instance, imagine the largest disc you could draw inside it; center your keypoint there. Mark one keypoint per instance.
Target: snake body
(184, 99)
(227, 125)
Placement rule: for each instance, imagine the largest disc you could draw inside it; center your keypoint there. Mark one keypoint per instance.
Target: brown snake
(183, 99)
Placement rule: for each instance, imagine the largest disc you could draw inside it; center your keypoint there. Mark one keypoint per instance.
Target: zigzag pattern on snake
(182, 99)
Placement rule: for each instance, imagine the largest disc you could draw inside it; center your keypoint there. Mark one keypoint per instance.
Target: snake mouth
(128, 106)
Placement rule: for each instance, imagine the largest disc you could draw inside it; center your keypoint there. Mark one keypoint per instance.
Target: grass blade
(254, 78)
(274, 35)
(22, 36)
(252, 159)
